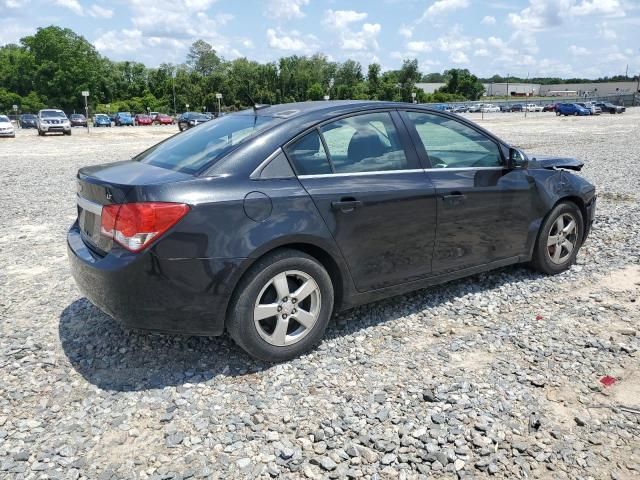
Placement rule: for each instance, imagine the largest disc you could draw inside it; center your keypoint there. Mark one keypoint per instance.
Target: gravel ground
(495, 375)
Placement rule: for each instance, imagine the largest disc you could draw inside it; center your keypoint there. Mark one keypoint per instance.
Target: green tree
(462, 82)
(202, 58)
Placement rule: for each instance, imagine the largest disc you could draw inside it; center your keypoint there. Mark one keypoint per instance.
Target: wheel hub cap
(287, 308)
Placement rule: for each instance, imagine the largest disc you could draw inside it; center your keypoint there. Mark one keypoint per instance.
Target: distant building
(556, 90)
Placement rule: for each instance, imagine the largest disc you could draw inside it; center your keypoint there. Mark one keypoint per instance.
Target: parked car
(571, 109)
(265, 222)
(101, 120)
(123, 119)
(6, 127)
(610, 107)
(488, 108)
(153, 115)
(164, 119)
(52, 120)
(28, 120)
(142, 119)
(77, 120)
(549, 107)
(532, 107)
(593, 109)
(112, 117)
(517, 107)
(460, 109)
(191, 119)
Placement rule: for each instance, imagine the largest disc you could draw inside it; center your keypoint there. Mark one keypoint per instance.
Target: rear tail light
(135, 225)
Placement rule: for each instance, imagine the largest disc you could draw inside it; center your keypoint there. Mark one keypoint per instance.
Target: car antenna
(254, 105)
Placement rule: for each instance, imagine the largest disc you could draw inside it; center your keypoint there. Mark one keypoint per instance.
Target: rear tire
(559, 239)
(296, 295)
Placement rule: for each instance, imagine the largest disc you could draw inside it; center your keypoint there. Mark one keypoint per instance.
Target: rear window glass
(196, 148)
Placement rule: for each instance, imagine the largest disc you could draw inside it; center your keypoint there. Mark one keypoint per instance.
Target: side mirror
(517, 158)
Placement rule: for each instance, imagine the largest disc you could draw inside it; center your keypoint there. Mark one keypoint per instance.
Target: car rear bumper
(186, 296)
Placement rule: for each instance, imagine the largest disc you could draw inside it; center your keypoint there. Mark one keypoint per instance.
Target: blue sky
(566, 38)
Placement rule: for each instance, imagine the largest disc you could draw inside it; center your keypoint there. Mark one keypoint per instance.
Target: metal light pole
(15, 113)
(173, 81)
(219, 97)
(85, 94)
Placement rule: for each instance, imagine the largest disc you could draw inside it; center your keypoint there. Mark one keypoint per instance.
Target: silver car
(53, 121)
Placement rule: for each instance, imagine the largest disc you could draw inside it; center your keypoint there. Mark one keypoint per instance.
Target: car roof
(292, 110)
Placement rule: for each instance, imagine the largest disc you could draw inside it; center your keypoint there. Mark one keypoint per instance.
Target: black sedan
(78, 120)
(610, 107)
(267, 221)
(28, 120)
(191, 119)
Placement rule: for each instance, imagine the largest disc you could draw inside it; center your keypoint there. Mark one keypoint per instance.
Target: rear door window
(364, 143)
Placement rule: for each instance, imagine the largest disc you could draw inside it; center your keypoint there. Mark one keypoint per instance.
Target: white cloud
(285, 9)
(578, 51)
(488, 20)
(99, 12)
(342, 18)
(419, 46)
(544, 14)
(364, 39)
(72, 5)
(119, 41)
(599, 7)
(14, 3)
(606, 32)
(459, 57)
(441, 7)
(406, 31)
(481, 52)
(291, 41)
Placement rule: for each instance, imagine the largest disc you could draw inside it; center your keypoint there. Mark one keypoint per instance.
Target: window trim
(422, 149)
(257, 172)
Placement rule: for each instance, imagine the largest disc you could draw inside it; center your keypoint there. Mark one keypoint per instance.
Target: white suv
(52, 120)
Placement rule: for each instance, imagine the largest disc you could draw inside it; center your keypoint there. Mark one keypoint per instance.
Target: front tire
(281, 307)
(559, 239)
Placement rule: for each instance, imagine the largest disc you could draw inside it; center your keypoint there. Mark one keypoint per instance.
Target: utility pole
(173, 78)
(219, 97)
(85, 94)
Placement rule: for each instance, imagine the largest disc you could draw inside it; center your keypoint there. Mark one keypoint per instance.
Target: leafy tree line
(53, 66)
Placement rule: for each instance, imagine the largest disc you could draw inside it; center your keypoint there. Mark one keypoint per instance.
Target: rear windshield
(196, 148)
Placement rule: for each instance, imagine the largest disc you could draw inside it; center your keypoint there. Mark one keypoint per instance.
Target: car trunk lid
(113, 184)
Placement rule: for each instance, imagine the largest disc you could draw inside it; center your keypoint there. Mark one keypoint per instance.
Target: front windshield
(4, 118)
(52, 113)
(124, 114)
(196, 116)
(196, 148)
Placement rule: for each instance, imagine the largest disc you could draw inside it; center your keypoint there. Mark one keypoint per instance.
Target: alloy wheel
(287, 308)
(562, 238)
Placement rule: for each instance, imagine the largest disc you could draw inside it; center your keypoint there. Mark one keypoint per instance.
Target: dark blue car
(101, 120)
(571, 109)
(266, 222)
(123, 118)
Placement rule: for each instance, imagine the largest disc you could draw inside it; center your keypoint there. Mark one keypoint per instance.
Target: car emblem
(108, 195)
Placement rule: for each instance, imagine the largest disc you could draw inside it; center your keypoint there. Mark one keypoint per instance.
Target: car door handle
(454, 196)
(346, 205)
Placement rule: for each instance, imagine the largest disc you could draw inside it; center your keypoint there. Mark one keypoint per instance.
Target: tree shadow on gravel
(113, 357)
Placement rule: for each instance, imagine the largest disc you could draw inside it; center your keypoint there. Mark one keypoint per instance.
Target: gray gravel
(492, 376)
